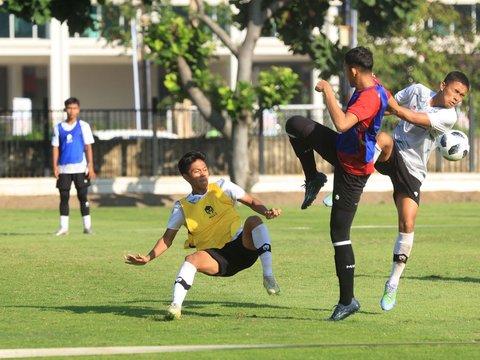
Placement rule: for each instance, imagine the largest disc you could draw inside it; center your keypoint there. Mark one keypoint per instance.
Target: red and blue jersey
(356, 146)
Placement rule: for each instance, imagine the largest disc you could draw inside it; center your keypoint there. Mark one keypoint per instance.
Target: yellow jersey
(212, 221)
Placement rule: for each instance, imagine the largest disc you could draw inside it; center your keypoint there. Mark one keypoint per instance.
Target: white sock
(377, 153)
(64, 222)
(397, 270)
(184, 281)
(87, 221)
(261, 240)
(403, 246)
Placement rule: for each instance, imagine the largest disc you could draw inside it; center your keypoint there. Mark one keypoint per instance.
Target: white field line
(386, 226)
(416, 226)
(122, 350)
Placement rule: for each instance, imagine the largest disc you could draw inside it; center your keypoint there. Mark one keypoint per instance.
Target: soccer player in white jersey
(223, 246)
(423, 116)
(72, 158)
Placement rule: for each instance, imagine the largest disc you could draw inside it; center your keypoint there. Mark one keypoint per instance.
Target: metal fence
(148, 143)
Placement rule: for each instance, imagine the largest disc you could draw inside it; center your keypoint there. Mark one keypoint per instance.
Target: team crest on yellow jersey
(210, 211)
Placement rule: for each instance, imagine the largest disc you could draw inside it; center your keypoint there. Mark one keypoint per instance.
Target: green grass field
(75, 291)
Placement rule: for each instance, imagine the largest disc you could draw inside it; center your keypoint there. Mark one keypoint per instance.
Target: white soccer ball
(453, 145)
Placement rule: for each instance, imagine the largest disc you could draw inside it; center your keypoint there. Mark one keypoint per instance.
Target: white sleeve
(87, 133)
(234, 191)
(404, 95)
(443, 119)
(55, 136)
(177, 218)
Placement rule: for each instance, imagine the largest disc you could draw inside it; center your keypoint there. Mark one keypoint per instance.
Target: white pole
(136, 87)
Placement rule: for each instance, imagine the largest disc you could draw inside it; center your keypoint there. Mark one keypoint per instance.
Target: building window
(42, 31)
(14, 27)
(23, 29)
(466, 24)
(4, 25)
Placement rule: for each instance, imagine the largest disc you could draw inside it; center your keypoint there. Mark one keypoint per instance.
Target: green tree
(75, 12)
(184, 45)
(424, 49)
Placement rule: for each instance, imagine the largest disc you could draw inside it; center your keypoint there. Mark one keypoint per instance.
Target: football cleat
(343, 311)
(271, 285)
(312, 187)
(61, 232)
(88, 231)
(174, 312)
(389, 297)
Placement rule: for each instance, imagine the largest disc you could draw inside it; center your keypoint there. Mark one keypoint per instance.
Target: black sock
(345, 266)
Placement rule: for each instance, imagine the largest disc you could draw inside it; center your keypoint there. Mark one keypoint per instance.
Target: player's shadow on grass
(247, 310)
(25, 233)
(431, 278)
(122, 310)
(444, 278)
(192, 308)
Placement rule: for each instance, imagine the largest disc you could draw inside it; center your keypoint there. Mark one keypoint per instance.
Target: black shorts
(64, 181)
(233, 257)
(347, 189)
(403, 182)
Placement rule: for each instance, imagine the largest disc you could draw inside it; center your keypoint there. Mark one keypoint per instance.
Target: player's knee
(290, 127)
(203, 262)
(406, 226)
(252, 222)
(64, 195)
(299, 126)
(194, 259)
(384, 141)
(340, 224)
(381, 138)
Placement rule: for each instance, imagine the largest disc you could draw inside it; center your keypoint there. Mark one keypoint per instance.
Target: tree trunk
(239, 168)
(239, 164)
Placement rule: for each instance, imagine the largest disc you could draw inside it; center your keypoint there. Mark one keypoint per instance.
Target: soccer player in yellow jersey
(223, 246)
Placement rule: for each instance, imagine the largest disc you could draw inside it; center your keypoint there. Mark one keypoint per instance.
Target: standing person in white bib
(223, 246)
(72, 157)
(423, 115)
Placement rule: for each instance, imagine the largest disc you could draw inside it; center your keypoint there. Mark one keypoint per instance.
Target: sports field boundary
(168, 185)
(123, 350)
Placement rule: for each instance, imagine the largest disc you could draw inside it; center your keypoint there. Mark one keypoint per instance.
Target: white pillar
(15, 87)
(59, 65)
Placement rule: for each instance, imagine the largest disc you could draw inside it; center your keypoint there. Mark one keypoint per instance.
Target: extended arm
(89, 155)
(55, 154)
(160, 247)
(416, 118)
(257, 206)
(342, 121)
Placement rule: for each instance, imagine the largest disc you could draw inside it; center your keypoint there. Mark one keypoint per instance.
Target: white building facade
(47, 65)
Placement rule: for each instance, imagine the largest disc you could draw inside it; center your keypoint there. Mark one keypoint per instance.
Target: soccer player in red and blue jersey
(350, 150)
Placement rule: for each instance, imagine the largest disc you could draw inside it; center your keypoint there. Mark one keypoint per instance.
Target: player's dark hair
(72, 100)
(360, 57)
(457, 76)
(188, 159)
